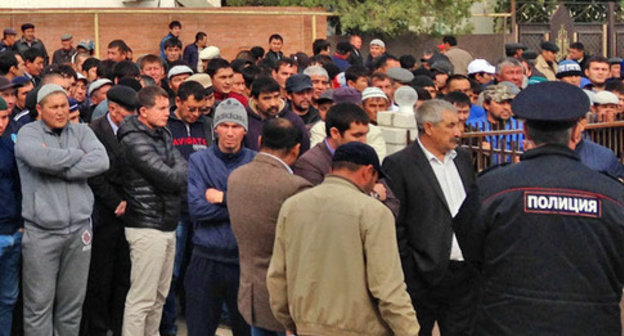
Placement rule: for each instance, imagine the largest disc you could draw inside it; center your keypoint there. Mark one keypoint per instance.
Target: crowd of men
(259, 192)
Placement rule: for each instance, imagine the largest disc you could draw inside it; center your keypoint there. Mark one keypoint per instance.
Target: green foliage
(390, 17)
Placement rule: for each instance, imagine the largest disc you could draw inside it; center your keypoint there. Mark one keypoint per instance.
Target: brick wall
(231, 29)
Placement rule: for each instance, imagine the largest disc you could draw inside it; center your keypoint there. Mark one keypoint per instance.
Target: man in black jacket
(154, 179)
(109, 274)
(430, 178)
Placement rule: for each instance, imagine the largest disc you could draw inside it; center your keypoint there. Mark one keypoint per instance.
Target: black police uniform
(548, 235)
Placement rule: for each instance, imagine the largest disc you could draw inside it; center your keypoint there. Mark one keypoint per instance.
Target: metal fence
(509, 147)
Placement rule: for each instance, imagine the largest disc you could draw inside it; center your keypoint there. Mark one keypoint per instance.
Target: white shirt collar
(278, 159)
(450, 155)
(112, 124)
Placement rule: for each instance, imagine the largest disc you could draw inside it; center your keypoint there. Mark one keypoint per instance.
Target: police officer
(547, 232)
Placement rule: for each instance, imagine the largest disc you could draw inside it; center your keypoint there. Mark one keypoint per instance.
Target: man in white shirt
(430, 178)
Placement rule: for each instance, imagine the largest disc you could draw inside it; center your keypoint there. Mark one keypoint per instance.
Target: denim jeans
(257, 331)
(10, 252)
(168, 323)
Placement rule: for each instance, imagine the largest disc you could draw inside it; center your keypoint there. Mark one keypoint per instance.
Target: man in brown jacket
(335, 268)
(255, 194)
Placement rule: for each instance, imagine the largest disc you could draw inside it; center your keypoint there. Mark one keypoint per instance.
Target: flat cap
(615, 60)
(498, 93)
(551, 101)
(66, 37)
(201, 78)
(549, 46)
(378, 42)
(567, 68)
(422, 81)
(373, 92)
(515, 46)
(605, 97)
(19, 81)
(443, 67)
(480, 65)
(529, 55)
(209, 53)
(96, 85)
(400, 75)
(47, 90)
(6, 84)
(298, 83)
(124, 96)
(86, 44)
(9, 31)
(358, 153)
(326, 96)
(347, 95)
(179, 70)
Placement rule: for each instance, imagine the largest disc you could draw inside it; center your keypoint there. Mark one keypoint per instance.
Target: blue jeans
(170, 313)
(10, 252)
(257, 331)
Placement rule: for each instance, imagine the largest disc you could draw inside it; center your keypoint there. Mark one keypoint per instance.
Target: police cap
(551, 101)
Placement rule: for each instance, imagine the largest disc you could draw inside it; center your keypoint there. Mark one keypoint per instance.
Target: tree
(391, 17)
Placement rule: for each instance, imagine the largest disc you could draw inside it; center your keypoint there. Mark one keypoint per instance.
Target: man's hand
(380, 190)
(121, 209)
(214, 196)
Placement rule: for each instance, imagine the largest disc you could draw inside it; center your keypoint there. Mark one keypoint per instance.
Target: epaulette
(491, 168)
(618, 179)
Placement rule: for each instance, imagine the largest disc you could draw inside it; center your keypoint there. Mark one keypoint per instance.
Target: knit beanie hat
(230, 110)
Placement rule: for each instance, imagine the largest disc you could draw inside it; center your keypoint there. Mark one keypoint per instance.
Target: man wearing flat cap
(55, 158)
(299, 91)
(334, 238)
(8, 39)
(546, 232)
(514, 50)
(67, 51)
(29, 41)
(546, 62)
(109, 276)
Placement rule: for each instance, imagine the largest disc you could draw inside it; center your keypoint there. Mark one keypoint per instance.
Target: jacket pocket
(49, 212)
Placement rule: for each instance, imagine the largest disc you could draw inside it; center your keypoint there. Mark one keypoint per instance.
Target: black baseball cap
(360, 154)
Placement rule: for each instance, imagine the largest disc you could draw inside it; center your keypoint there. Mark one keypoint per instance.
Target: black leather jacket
(155, 176)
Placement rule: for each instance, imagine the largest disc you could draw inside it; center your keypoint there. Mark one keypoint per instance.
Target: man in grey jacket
(55, 158)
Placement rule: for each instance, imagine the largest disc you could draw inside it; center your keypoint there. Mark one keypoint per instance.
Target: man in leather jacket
(155, 179)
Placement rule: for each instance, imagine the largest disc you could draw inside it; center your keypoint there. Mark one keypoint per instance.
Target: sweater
(10, 196)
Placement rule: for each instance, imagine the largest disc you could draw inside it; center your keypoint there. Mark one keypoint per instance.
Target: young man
(175, 28)
(34, 61)
(154, 179)
(152, 66)
(597, 71)
(222, 76)
(266, 103)
(8, 39)
(191, 51)
(283, 69)
(214, 261)
(11, 65)
(569, 71)
(55, 158)
(320, 81)
(173, 52)
(276, 42)
(310, 265)
(460, 58)
(357, 77)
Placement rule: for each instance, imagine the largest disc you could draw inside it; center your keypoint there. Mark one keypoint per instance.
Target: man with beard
(299, 92)
(265, 103)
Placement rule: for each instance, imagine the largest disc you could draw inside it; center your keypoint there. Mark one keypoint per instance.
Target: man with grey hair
(510, 69)
(320, 82)
(55, 158)
(430, 178)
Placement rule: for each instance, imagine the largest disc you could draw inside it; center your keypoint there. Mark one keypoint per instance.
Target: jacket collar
(550, 150)
(339, 180)
(227, 157)
(273, 161)
(253, 108)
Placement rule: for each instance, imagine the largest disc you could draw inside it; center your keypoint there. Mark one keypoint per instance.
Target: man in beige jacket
(546, 62)
(335, 268)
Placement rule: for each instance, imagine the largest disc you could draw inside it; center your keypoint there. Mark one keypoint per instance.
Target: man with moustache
(430, 178)
(265, 103)
(299, 90)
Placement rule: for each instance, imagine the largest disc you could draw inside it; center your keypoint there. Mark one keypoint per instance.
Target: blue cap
(20, 80)
(358, 153)
(551, 101)
(298, 83)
